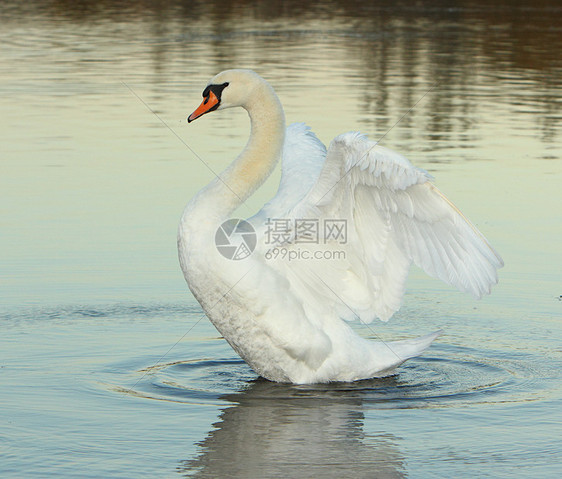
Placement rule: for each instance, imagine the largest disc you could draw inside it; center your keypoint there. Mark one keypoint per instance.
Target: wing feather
(394, 216)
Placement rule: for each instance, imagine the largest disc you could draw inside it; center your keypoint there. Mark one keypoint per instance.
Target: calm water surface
(109, 368)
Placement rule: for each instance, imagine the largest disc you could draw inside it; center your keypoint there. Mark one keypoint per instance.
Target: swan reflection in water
(277, 430)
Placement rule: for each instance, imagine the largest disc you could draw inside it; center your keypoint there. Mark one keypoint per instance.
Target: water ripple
(452, 377)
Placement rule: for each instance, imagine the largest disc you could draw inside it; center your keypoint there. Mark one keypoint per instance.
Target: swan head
(228, 89)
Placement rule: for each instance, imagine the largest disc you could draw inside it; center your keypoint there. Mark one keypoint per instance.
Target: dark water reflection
(396, 51)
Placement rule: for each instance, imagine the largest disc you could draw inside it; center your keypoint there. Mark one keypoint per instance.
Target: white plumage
(282, 308)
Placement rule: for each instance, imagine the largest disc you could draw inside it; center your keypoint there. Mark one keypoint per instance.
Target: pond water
(108, 366)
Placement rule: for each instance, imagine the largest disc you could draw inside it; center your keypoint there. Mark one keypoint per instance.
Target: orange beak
(210, 103)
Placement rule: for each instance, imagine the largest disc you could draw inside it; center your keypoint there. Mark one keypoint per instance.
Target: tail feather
(410, 348)
(401, 351)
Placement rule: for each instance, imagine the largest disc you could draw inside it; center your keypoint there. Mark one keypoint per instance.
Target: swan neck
(259, 157)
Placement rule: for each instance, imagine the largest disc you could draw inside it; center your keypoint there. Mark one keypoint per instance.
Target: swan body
(285, 312)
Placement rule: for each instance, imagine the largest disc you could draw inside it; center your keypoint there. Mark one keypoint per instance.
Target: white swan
(282, 310)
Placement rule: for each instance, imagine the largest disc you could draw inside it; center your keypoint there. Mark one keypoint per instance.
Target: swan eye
(216, 89)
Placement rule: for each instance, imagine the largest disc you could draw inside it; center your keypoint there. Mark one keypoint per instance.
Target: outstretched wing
(393, 216)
